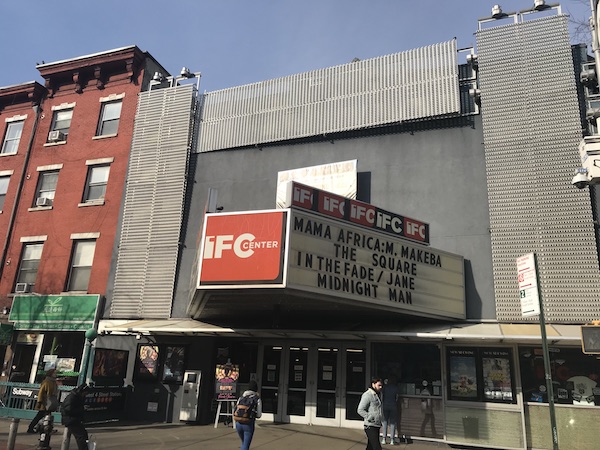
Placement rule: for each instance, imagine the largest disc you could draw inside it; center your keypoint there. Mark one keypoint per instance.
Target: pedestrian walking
(389, 400)
(247, 410)
(427, 409)
(370, 409)
(47, 400)
(72, 410)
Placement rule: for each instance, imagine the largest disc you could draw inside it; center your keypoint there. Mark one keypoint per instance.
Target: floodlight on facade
(540, 5)
(497, 12)
(158, 77)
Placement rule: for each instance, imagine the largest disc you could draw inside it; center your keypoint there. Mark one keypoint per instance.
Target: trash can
(471, 427)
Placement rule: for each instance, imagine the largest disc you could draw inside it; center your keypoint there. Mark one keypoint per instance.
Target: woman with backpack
(247, 410)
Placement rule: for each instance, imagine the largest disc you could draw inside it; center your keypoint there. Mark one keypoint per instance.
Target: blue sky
(234, 42)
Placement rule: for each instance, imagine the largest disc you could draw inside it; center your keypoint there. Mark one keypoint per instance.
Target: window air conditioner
(21, 288)
(56, 136)
(43, 201)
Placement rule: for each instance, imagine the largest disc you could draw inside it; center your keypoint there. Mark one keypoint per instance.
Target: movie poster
(110, 364)
(147, 365)
(497, 384)
(226, 377)
(463, 374)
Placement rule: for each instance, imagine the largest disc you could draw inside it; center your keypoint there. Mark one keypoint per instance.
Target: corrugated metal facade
(153, 206)
(411, 85)
(532, 128)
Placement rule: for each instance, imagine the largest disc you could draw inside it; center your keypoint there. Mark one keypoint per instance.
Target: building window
(109, 118)
(81, 265)
(575, 376)
(61, 122)
(3, 190)
(28, 267)
(97, 179)
(12, 137)
(46, 188)
(481, 374)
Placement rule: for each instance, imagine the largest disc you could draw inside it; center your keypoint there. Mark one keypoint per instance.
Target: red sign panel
(246, 247)
(360, 213)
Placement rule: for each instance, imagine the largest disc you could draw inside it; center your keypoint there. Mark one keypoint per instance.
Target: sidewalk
(177, 436)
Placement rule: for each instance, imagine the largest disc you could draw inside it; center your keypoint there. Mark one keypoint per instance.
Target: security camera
(580, 180)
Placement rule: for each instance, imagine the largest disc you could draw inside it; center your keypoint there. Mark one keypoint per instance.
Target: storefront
(49, 332)
(479, 384)
(484, 392)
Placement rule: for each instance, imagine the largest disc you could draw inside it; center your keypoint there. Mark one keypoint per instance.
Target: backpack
(52, 403)
(245, 409)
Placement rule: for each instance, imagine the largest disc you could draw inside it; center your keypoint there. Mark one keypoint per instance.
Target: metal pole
(12, 433)
(547, 370)
(90, 335)
(66, 440)
(84, 365)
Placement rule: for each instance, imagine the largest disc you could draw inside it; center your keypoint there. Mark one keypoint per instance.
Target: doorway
(23, 358)
(313, 383)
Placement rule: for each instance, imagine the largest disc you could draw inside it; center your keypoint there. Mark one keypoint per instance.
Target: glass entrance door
(313, 383)
(297, 386)
(326, 379)
(270, 381)
(355, 383)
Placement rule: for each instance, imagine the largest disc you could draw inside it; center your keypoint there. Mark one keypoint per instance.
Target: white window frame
(107, 102)
(38, 189)
(80, 262)
(89, 184)
(55, 114)
(13, 140)
(4, 175)
(29, 244)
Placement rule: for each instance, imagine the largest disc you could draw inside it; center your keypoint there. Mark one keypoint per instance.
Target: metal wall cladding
(532, 128)
(497, 427)
(539, 433)
(154, 202)
(405, 86)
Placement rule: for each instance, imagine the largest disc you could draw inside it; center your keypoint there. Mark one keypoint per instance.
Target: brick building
(67, 174)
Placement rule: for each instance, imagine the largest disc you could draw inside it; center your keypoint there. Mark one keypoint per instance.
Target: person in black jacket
(72, 416)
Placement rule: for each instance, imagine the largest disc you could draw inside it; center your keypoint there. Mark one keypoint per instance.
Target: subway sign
(356, 212)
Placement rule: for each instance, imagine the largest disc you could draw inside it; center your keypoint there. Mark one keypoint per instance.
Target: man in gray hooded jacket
(370, 409)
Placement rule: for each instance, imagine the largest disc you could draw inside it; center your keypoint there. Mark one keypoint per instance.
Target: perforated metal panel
(411, 85)
(532, 128)
(153, 207)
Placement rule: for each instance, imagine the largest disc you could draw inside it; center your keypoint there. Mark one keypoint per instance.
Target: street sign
(528, 288)
(590, 338)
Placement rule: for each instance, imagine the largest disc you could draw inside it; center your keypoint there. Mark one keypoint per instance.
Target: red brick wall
(66, 217)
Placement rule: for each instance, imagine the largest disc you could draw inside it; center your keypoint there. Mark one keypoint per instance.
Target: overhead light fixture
(158, 77)
(472, 59)
(540, 5)
(185, 72)
(497, 12)
(475, 94)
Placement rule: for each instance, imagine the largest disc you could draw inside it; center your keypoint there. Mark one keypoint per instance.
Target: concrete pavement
(268, 436)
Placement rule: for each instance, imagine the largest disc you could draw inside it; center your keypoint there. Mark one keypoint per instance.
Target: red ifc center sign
(243, 248)
(360, 213)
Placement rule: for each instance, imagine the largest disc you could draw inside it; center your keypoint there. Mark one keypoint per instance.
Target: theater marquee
(338, 259)
(332, 259)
